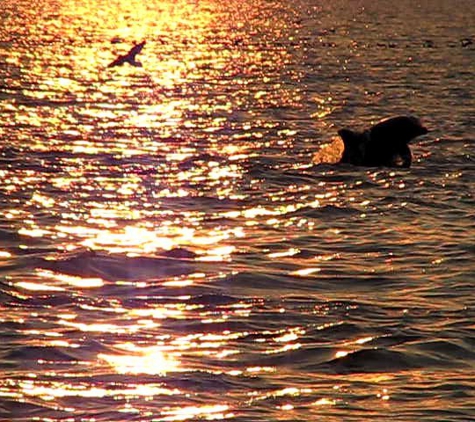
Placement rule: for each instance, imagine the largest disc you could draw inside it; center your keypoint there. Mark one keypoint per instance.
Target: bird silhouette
(129, 57)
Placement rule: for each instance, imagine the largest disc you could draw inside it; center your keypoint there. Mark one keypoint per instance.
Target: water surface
(174, 244)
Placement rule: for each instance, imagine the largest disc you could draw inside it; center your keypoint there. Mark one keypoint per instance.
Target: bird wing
(129, 57)
(136, 49)
(118, 61)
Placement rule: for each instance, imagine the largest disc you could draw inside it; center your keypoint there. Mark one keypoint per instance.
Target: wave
(444, 352)
(441, 354)
(371, 360)
(122, 267)
(25, 410)
(326, 211)
(35, 354)
(7, 236)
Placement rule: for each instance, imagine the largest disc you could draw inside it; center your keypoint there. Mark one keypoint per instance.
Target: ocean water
(176, 240)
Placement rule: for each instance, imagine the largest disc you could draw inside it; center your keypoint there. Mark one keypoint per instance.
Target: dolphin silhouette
(384, 144)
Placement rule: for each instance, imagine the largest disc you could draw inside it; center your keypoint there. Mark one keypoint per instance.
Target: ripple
(117, 267)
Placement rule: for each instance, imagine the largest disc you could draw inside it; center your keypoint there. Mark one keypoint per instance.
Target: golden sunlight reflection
(43, 200)
(57, 389)
(221, 253)
(109, 327)
(178, 55)
(142, 360)
(288, 252)
(206, 344)
(176, 311)
(259, 369)
(207, 412)
(144, 240)
(329, 153)
(343, 353)
(364, 340)
(81, 282)
(305, 272)
(278, 210)
(361, 340)
(285, 348)
(39, 287)
(383, 395)
(289, 337)
(324, 402)
(284, 392)
(34, 231)
(176, 282)
(169, 249)
(324, 107)
(185, 281)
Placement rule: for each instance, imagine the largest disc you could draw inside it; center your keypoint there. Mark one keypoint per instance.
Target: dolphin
(384, 144)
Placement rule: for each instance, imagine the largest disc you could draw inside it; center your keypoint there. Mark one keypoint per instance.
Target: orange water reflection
(54, 390)
(184, 52)
(206, 412)
(141, 360)
(135, 162)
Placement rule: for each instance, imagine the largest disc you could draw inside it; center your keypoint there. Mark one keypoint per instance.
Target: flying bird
(129, 57)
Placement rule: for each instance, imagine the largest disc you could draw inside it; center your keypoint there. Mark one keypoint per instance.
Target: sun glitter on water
(329, 153)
